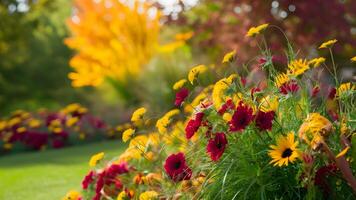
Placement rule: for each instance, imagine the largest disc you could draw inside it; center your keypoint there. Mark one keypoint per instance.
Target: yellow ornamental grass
(112, 41)
(95, 159)
(253, 31)
(315, 129)
(327, 44)
(195, 72)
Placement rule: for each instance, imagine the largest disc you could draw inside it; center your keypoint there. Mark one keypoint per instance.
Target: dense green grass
(50, 174)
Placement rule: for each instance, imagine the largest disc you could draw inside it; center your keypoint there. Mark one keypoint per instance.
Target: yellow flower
(14, 121)
(285, 151)
(164, 121)
(297, 67)
(149, 195)
(8, 146)
(316, 62)
(129, 154)
(21, 129)
(220, 87)
(227, 117)
(269, 103)
(195, 71)
(139, 142)
(122, 196)
(184, 36)
(72, 195)
(34, 123)
(281, 79)
(253, 31)
(314, 129)
(95, 159)
(343, 152)
(126, 135)
(345, 88)
(138, 114)
(327, 44)
(229, 57)
(71, 121)
(2, 125)
(353, 59)
(179, 84)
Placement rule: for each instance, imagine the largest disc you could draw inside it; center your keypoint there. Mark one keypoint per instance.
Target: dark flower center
(177, 165)
(286, 153)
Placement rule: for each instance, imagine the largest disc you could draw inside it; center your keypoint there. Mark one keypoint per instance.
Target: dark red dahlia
(180, 96)
(193, 125)
(176, 167)
(264, 120)
(216, 146)
(241, 118)
(289, 87)
(88, 179)
(226, 106)
(117, 169)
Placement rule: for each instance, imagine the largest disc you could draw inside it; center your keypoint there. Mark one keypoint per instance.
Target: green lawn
(50, 174)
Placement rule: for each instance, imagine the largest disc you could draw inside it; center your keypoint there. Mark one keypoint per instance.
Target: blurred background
(112, 55)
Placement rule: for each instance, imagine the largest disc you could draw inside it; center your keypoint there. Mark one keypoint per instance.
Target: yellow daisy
(138, 114)
(127, 134)
(343, 152)
(72, 195)
(195, 71)
(316, 62)
(327, 44)
(149, 195)
(285, 151)
(269, 103)
(179, 84)
(229, 57)
(345, 88)
(95, 159)
(297, 67)
(253, 31)
(281, 79)
(353, 59)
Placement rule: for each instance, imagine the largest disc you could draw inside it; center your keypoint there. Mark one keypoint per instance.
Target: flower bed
(38, 131)
(284, 136)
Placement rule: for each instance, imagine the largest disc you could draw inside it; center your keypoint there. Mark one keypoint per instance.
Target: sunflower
(285, 151)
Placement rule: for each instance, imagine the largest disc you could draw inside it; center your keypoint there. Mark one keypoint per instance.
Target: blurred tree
(224, 23)
(33, 58)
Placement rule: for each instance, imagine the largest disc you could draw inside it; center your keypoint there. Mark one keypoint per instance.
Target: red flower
(264, 120)
(332, 93)
(176, 167)
(241, 118)
(315, 91)
(320, 177)
(216, 146)
(87, 180)
(289, 87)
(226, 106)
(193, 125)
(180, 96)
(116, 169)
(243, 81)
